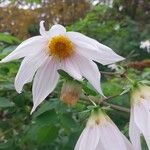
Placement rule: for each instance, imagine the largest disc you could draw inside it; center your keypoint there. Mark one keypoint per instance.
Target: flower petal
(142, 119)
(29, 47)
(88, 139)
(27, 69)
(101, 54)
(57, 30)
(134, 133)
(45, 81)
(69, 65)
(111, 137)
(43, 32)
(90, 71)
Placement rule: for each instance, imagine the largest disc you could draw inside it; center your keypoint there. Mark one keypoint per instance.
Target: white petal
(111, 138)
(101, 54)
(69, 65)
(142, 119)
(88, 139)
(134, 133)
(45, 81)
(27, 69)
(57, 30)
(90, 71)
(29, 47)
(43, 32)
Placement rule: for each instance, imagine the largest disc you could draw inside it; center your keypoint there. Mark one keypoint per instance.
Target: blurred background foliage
(120, 24)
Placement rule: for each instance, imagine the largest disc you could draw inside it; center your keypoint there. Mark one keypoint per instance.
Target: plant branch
(116, 107)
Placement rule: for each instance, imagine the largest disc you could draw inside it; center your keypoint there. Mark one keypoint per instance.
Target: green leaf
(68, 122)
(47, 133)
(47, 117)
(65, 75)
(4, 103)
(48, 105)
(8, 39)
(88, 89)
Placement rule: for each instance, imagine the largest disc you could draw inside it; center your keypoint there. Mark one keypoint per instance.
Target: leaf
(65, 75)
(4, 103)
(47, 117)
(68, 122)
(8, 39)
(47, 133)
(48, 105)
(88, 89)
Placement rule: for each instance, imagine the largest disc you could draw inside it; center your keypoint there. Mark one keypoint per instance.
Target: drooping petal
(28, 68)
(45, 81)
(127, 143)
(142, 119)
(100, 146)
(29, 47)
(43, 32)
(69, 65)
(111, 138)
(88, 139)
(101, 54)
(134, 133)
(90, 71)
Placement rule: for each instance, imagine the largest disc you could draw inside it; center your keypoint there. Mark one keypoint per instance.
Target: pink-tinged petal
(134, 133)
(127, 143)
(111, 138)
(45, 81)
(90, 71)
(100, 146)
(69, 65)
(88, 139)
(28, 68)
(101, 54)
(29, 47)
(142, 119)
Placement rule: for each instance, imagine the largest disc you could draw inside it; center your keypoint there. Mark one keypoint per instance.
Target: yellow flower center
(60, 47)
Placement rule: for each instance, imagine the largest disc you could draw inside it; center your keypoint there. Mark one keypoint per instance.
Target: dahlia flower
(101, 133)
(57, 49)
(140, 116)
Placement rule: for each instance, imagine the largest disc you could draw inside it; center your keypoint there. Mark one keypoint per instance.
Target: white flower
(145, 45)
(102, 134)
(140, 116)
(56, 49)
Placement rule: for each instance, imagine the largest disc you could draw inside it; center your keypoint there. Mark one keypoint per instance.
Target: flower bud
(70, 92)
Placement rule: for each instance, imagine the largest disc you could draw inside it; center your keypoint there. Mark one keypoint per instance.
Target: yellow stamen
(60, 47)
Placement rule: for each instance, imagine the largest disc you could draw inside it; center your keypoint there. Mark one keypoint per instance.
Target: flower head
(140, 116)
(102, 133)
(57, 49)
